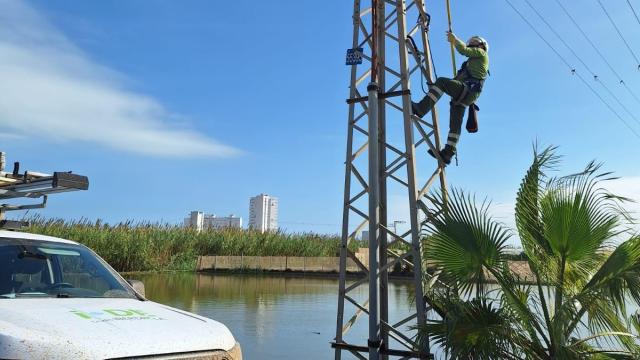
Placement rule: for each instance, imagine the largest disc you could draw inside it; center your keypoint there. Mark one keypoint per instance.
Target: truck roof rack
(13, 224)
(30, 184)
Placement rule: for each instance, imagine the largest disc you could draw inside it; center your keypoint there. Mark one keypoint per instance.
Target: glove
(451, 37)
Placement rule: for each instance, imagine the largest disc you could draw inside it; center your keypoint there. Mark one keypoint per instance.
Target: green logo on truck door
(114, 315)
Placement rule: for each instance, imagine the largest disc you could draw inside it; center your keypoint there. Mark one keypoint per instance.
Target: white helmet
(477, 41)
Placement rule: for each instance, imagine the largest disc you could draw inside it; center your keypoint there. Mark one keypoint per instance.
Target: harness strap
(463, 94)
(464, 75)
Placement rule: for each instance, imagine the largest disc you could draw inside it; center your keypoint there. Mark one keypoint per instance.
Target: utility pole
(395, 225)
(383, 62)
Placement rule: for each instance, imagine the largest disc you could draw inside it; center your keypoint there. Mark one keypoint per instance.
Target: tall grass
(131, 246)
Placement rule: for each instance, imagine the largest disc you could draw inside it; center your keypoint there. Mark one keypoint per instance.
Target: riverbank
(319, 265)
(133, 246)
(139, 247)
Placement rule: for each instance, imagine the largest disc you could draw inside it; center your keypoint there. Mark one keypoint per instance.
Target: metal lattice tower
(379, 113)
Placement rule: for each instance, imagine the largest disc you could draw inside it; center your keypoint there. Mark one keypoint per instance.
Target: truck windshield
(30, 268)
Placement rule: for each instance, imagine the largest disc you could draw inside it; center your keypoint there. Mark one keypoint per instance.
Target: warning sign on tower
(354, 56)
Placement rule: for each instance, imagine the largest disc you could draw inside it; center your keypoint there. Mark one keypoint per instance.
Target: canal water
(276, 316)
(273, 316)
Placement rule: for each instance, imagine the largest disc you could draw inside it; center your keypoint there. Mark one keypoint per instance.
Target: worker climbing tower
(384, 59)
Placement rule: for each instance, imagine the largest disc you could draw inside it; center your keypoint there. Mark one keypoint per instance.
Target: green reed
(144, 246)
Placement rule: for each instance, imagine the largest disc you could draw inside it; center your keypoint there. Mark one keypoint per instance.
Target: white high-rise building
(195, 220)
(200, 221)
(263, 213)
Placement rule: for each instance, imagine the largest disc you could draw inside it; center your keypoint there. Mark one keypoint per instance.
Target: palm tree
(577, 305)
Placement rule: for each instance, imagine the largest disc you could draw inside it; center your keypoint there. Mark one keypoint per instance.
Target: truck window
(30, 268)
(75, 270)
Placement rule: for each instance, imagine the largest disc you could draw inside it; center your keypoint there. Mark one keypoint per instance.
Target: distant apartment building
(201, 221)
(195, 220)
(263, 213)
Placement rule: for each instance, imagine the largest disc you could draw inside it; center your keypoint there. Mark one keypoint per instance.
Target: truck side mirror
(138, 286)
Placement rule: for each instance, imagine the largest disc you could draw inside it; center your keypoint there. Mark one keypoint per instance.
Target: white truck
(59, 300)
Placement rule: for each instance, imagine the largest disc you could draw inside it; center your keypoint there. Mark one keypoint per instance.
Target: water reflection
(273, 316)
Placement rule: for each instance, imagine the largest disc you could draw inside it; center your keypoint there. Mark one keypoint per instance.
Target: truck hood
(47, 328)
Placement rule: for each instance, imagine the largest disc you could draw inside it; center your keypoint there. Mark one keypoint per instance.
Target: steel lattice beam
(375, 108)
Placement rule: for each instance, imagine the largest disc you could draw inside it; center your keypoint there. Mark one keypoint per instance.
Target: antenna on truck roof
(31, 184)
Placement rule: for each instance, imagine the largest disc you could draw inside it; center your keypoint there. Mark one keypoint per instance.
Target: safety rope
(414, 47)
(453, 53)
(424, 20)
(435, 72)
(426, 24)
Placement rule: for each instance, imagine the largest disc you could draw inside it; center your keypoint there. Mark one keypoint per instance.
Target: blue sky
(171, 106)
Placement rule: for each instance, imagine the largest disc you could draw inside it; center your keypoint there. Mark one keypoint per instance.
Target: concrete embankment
(326, 265)
(274, 263)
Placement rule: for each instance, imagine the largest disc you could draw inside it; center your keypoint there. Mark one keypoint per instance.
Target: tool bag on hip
(472, 118)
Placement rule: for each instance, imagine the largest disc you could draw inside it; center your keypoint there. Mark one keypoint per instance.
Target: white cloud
(51, 89)
(10, 136)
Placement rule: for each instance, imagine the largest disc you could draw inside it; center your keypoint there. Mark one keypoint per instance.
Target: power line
(634, 11)
(589, 40)
(617, 100)
(597, 50)
(541, 37)
(562, 40)
(573, 71)
(620, 34)
(595, 77)
(607, 104)
(631, 92)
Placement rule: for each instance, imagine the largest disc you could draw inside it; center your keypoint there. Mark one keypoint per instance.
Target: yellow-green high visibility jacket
(478, 63)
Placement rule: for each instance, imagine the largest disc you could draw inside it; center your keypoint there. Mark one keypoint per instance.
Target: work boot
(445, 154)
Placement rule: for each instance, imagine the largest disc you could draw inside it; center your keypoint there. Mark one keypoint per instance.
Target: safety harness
(470, 85)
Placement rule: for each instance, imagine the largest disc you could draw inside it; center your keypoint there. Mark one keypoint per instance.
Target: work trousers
(453, 88)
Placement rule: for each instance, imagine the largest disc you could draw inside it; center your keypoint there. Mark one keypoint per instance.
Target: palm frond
(527, 212)
(474, 329)
(635, 322)
(604, 320)
(619, 276)
(521, 303)
(465, 241)
(576, 308)
(579, 215)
